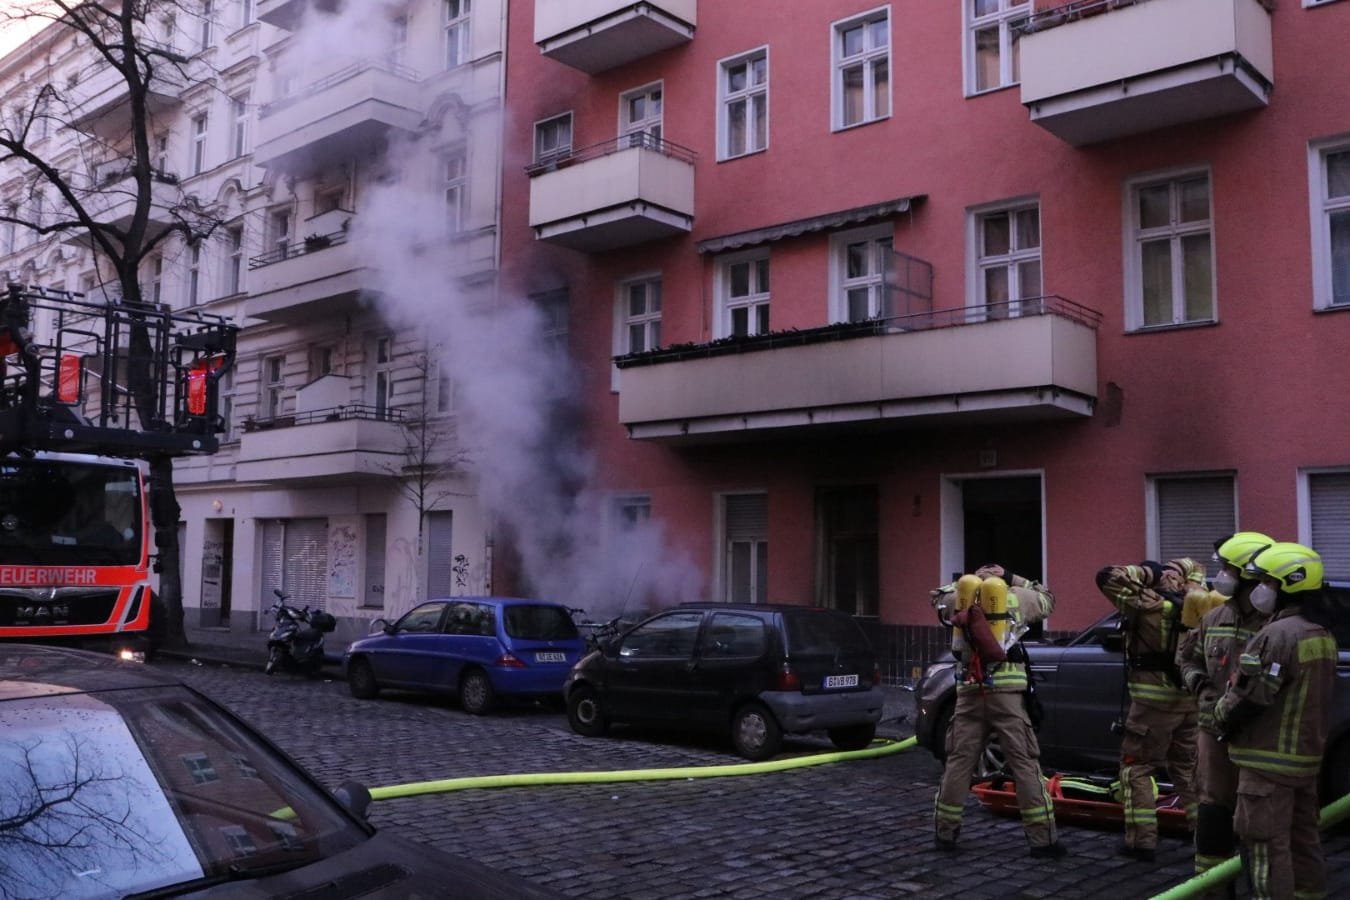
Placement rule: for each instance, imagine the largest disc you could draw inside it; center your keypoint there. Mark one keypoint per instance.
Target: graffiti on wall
(342, 561)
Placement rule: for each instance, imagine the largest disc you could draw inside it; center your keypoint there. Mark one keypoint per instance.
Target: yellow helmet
(1297, 568)
(1238, 550)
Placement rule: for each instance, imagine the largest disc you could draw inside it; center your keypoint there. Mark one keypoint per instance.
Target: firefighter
(1274, 716)
(1159, 728)
(1207, 656)
(994, 607)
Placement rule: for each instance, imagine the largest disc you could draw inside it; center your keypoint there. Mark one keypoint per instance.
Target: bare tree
(106, 182)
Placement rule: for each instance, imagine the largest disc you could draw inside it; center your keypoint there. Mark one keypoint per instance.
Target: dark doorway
(1002, 519)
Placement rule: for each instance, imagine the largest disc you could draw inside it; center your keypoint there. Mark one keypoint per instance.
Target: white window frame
(239, 143)
(648, 321)
(629, 512)
(1322, 208)
(759, 296)
(1334, 548)
(980, 262)
(234, 270)
(206, 22)
(868, 58)
(455, 188)
(194, 285)
(880, 238)
(746, 98)
(398, 38)
(724, 552)
(1008, 12)
(549, 129)
(650, 124)
(273, 385)
(248, 12)
(455, 28)
(1175, 232)
(200, 130)
(280, 226)
(1202, 543)
(156, 278)
(382, 374)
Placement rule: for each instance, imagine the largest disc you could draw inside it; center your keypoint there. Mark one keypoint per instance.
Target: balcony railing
(339, 443)
(311, 244)
(946, 365)
(318, 87)
(364, 411)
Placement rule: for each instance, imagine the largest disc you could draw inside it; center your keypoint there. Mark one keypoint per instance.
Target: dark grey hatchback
(752, 671)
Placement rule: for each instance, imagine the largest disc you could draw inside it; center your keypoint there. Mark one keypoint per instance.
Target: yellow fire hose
(1229, 869)
(414, 789)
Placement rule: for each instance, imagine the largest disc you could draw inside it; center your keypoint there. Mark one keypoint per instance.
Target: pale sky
(12, 34)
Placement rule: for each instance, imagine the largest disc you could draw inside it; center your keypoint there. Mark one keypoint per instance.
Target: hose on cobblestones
(531, 779)
(1229, 869)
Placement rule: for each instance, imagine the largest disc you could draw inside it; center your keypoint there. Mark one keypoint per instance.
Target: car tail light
(787, 680)
(509, 661)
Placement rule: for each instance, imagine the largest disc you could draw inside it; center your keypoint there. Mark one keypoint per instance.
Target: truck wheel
(755, 732)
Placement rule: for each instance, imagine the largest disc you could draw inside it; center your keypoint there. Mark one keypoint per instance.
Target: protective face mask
(1263, 599)
(1226, 583)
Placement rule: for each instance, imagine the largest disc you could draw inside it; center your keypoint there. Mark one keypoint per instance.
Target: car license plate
(840, 681)
(544, 656)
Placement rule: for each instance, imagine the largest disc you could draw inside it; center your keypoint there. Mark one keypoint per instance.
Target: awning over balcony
(857, 216)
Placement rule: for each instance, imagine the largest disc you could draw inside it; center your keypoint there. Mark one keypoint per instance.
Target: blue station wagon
(479, 649)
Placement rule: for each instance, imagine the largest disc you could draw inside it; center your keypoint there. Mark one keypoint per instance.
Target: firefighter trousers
(1216, 780)
(1281, 846)
(1156, 738)
(978, 715)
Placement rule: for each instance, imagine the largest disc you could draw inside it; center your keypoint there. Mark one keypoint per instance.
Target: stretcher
(1089, 801)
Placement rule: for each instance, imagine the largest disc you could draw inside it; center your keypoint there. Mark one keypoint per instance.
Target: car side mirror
(379, 625)
(355, 797)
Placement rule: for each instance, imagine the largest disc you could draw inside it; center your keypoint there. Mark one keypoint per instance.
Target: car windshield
(57, 512)
(816, 631)
(121, 791)
(537, 622)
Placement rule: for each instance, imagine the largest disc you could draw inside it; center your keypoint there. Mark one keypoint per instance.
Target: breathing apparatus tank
(994, 601)
(967, 595)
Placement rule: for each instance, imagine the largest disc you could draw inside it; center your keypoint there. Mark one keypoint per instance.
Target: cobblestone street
(857, 829)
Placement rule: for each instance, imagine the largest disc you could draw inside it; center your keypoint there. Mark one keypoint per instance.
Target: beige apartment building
(352, 159)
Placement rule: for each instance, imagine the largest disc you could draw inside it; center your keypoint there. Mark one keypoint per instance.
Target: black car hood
(386, 867)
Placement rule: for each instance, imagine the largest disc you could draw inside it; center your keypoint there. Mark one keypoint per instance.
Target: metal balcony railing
(311, 244)
(341, 75)
(614, 145)
(333, 414)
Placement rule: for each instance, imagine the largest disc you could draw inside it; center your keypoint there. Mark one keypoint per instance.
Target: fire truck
(90, 392)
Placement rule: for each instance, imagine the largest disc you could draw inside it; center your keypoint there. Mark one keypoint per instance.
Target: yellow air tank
(967, 595)
(994, 602)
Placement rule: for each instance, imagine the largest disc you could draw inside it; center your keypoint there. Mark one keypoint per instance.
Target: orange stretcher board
(1000, 798)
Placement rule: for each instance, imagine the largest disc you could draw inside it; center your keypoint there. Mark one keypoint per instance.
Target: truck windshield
(69, 513)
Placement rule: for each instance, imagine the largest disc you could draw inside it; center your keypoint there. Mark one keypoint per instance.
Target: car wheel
(475, 693)
(854, 737)
(273, 660)
(584, 712)
(361, 680)
(755, 732)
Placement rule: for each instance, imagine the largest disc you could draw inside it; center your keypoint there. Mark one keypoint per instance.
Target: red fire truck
(113, 386)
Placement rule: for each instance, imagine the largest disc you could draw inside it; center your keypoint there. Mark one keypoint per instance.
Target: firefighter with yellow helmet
(1274, 715)
(989, 611)
(1159, 730)
(1206, 658)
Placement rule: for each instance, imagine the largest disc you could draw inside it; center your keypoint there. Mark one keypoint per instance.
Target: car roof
(498, 601)
(36, 670)
(760, 607)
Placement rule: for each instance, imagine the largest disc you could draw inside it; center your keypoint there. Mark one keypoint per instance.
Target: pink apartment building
(898, 289)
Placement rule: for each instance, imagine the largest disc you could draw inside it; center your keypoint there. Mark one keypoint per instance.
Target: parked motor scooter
(296, 642)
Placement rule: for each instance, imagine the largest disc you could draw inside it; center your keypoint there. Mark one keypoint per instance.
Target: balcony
(627, 191)
(345, 114)
(112, 201)
(1096, 70)
(320, 276)
(334, 444)
(100, 102)
(595, 35)
(288, 13)
(961, 366)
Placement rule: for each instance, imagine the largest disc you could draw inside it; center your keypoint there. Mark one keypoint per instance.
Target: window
(860, 265)
(1008, 261)
(383, 376)
(746, 562)
(730, 635)
(377, 525)
(239, 840)
(553, 138)
(234, 269)
(245, 766)
(454, 184)
(1329, 169)
(440, 555)
(862, 66)
(398, 39)
(1170, 265)
(850, 549)
(274, 382)
(248, 12)
(445, 391)
(554, 311)
(671, 636)
(295, 559)
(238, 126)
(742, 290)
(205, 33)
(641, 116)
(226, 397)
(743, 86)
(991, 42)
(640, 302)
(456, 33)
(194, 273)
(9, 230)
(1189, 513)
(279, 231)
(200, 768)
(198, 144)
(162, 154)
(631, 511)
(156, 279)
(1328, 504)
(320, 361)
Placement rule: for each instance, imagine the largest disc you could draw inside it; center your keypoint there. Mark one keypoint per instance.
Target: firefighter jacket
(1150, 609)
(1276, 710)
(1208, 654)
(1028, 603)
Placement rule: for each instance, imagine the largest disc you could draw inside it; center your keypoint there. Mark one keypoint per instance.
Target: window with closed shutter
(440, 559)
(747, 550)
(376, 529)
(1194, 512)
(1329, 512)
(295, 559)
